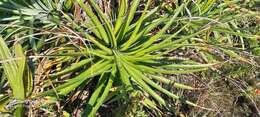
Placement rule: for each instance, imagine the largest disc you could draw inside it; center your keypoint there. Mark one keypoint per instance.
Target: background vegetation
(129, 58)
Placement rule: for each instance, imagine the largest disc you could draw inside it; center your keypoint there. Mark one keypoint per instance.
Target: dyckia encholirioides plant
(126, 53)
